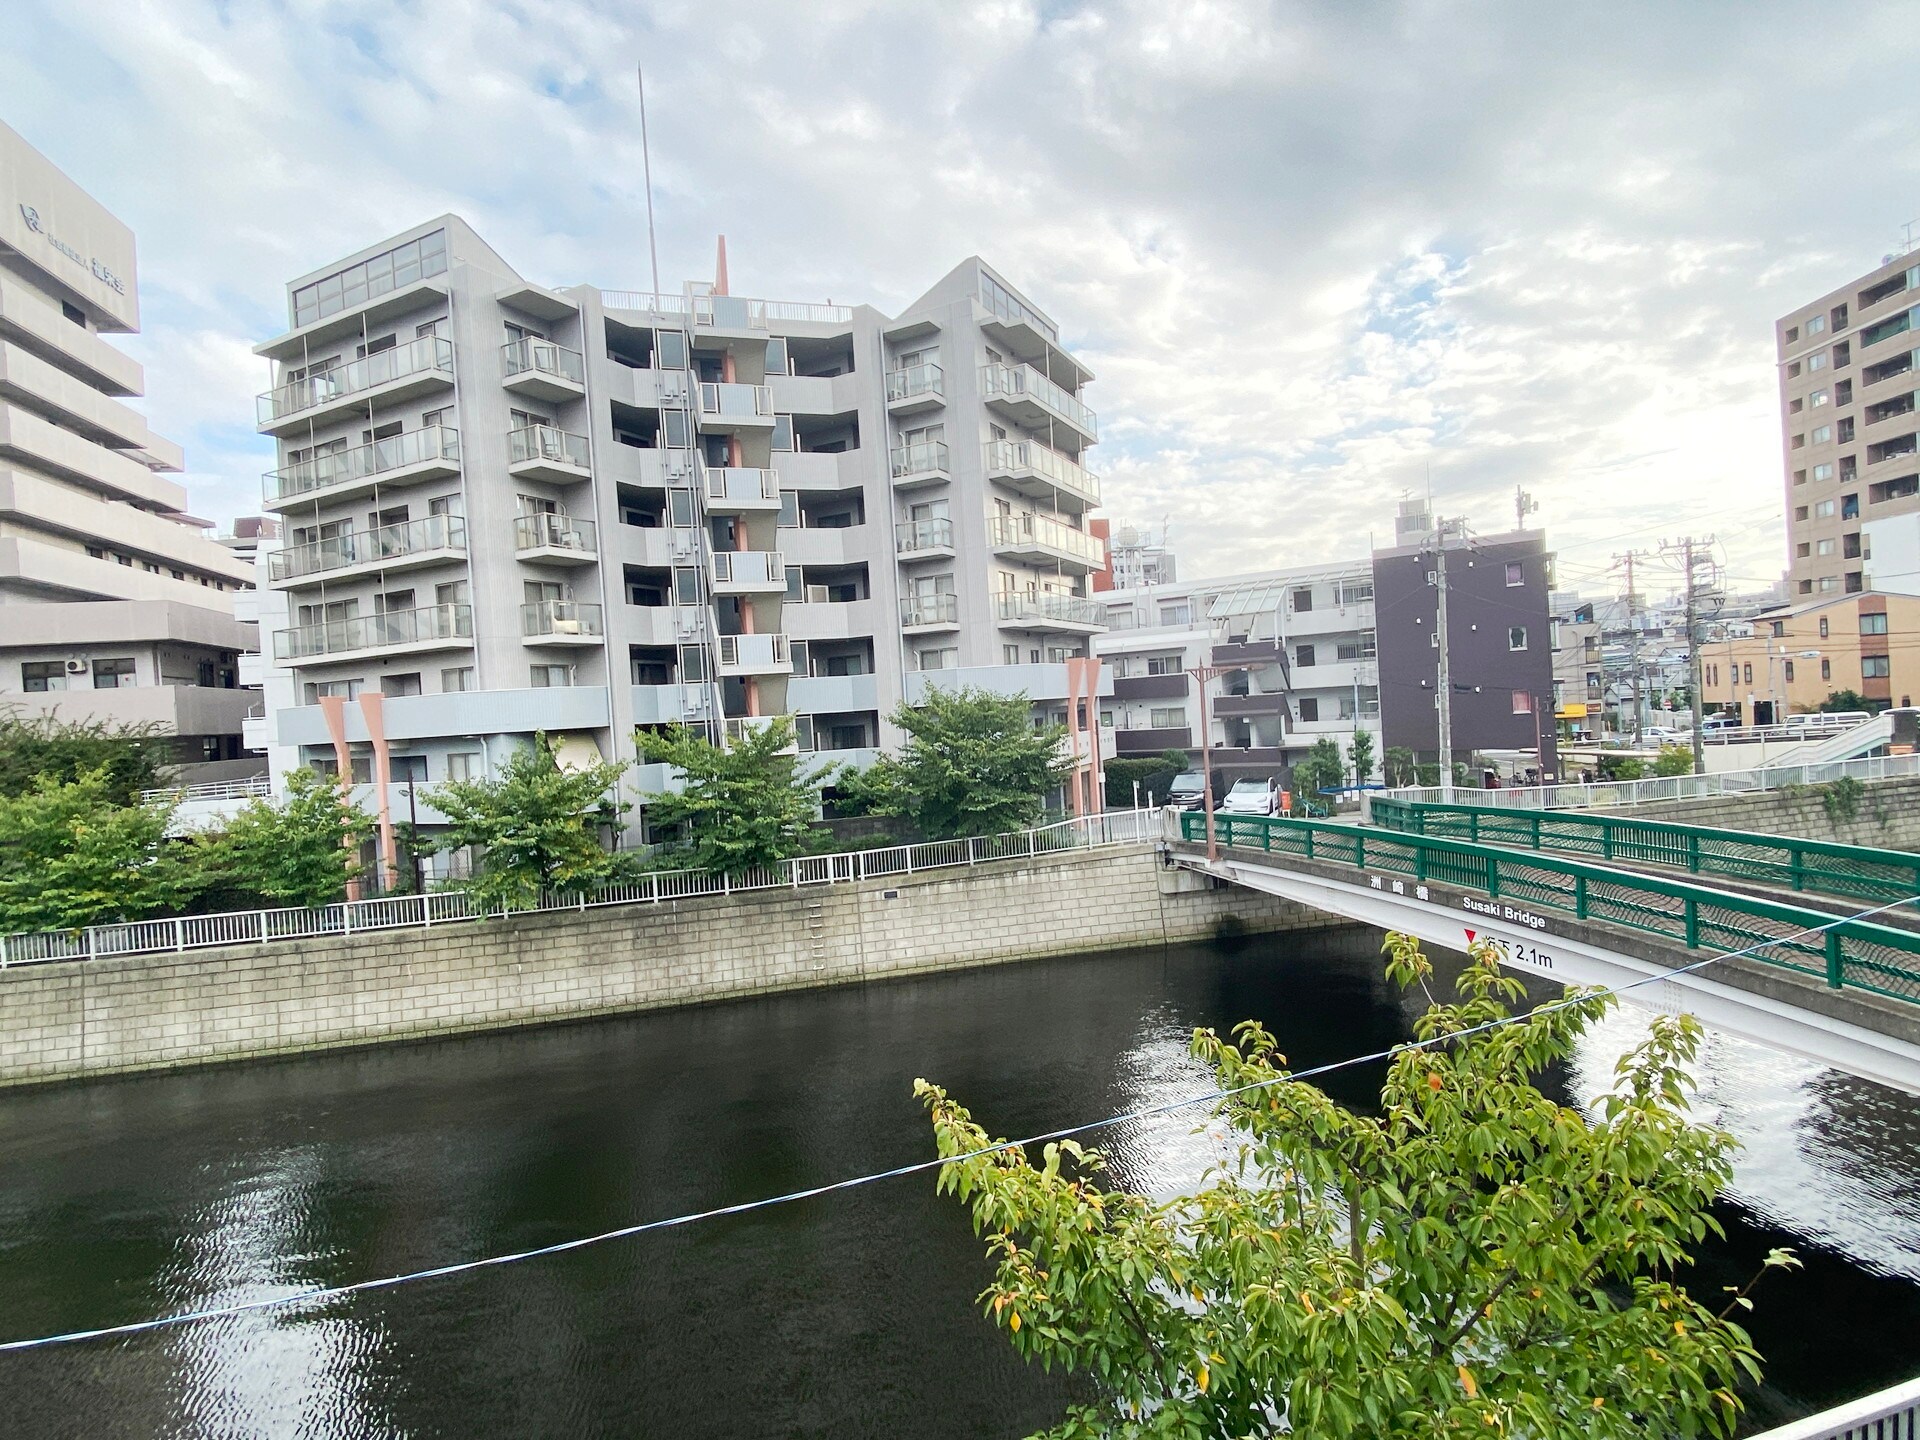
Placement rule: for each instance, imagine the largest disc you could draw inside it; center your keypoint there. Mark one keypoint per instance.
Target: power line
(323, 1294)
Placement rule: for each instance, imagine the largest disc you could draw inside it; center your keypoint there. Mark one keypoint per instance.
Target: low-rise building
(1792, 660)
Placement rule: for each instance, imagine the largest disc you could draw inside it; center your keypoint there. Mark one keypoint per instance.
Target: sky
(1319, 256)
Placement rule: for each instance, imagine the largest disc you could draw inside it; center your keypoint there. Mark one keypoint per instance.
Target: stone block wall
(1887, 816)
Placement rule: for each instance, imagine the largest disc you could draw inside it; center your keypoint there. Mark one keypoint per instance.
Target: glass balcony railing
(544, 442)
(1887, 329)
(560, 618)
(366, 547)
(542, 357)
(923, 535)
(919, 459)
(997, 298)
(938, 609)
(375, 632)
(428, 355)
(1023, 382)
(927, 379)
(1022, 532)
(553, 532)
(1016, 456)
(363, 462)
(1016, 608)
(735, 402)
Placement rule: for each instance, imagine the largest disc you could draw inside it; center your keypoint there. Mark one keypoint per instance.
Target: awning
(1571, 712)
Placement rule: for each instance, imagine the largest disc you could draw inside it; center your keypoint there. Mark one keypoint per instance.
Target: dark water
(851, 1315)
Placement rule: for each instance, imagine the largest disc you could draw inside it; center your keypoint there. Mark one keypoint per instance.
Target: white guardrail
(441, 907)
(1892, 1414)
(1603, 793)
(258, 787)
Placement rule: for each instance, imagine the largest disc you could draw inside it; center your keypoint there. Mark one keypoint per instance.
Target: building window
(1522, 703)
(1303, 656)
(550, 677)
(455, 680)
(1164, 664)
(1799, 512)
(1817, 361)
(1823, 547)
(1823, 510)
(1873, 624)
(1817, 399)
(1823, 472)
(1433, 640)
(1747, 673)
(463, 766)
(396, 269)
(1826, 669)
(1010, 655)
(1173, 717)
(40, 676)
(1829, 583)
(1821, 434)
(1875, 667)
(1176, 613)
(112, 674)
(1516, 573)
(408, 684)
(1302, 600)
(1816, 324)
(1516, 637)
(947, 658)
(1823, 627)
(1789, 672)
(408, 769)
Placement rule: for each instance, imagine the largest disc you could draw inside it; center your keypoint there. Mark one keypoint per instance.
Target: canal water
(850, 1315)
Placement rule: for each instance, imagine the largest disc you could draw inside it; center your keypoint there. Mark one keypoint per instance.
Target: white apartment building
(507, 508)
(116, 604)
(1305, 638)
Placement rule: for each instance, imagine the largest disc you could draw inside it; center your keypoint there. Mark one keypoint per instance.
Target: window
(1816, 324)
(408, 769)
(1799, 477)
(1803, 549)
(1164, 664)
(1522, 703)
(1516, 637)
(1361, 649)
(1748, 675)
(1309, 709)
(1823, 627)
(319, 690)
(1823, 547)
(551, 677)
(1789, 672)
(392, 270)
(1356, 592)
(458, 679)
(1433, 640)
(1823, 472)
(1303, 656)
(1823, 510)
(408, 684)
(947, 658)
(1793, 333)
(1009, 654)
(1516, 573)
(1817, 399)
(1873, 624)
(1875, 667)
(1172, 717)
(1302, 600)
(1826, 669)
(39, 676)
(1822, 434)
(1816, 362)
(112, 674)
(1829, 583)
(1176, 612)
(465, 765)
(1799, 512)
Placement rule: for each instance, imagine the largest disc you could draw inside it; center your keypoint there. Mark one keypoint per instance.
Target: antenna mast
(646, 167)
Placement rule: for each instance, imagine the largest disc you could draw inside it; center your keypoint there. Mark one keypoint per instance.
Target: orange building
(1795, 658)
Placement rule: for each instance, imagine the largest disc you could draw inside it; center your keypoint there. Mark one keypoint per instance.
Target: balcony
(1150, 687)
(920, 614)
(734, 490)
(1253, 703)
(739, 727)
(560, 622)
(430, 541)
(1887, 409)
(1033, 469)
(728, 408)
(1248, 653)
(926, 463)
(1886, 329)
(916, 388)
(405, 372)
(431, 627)
(1035, 401)
(924, 539)
(1901, 447)
(542, 370)
(541, 452)
(739, 655)
(557, 539)
(749, 572)
(1151, 741)
(410, 459)
(1040, 538)
(1068, 614)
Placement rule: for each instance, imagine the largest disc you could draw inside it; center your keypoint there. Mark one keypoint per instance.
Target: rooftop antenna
(1523, 506)
(646, 167)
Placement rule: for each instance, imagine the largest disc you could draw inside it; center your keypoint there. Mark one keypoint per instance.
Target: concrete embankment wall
(72, 1019)
(1886, 816)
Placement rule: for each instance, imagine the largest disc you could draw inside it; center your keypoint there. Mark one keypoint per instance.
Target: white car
(1251, 797)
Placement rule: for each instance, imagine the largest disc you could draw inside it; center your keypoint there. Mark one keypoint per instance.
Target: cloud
(1317, 255)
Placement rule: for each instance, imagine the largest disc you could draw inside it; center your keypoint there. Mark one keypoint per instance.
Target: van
(1188, 791)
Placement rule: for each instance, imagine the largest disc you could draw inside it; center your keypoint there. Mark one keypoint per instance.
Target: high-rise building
(1848, 382)
(117, 605)
(509, 508)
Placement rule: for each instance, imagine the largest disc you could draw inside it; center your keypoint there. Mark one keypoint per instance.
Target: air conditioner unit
(76, 667)
(566, 627)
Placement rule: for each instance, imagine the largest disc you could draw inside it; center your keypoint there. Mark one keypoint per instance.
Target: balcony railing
(1013, 532)
(764, 652)
(389, 542)
(375, 632)
(923, 535)
(543, 357)
(1023, 382)
(1016, 607)
(937, 609)
(703, 308)
(749, 567)
(739, 728)
(742, 483)
(926, 379)
(920, 459)
(561, 618)
(553, 532)
(364, 462)
(1886, 329)
(1005, 456)
(544, 442)
(428, 354)
(736, 402)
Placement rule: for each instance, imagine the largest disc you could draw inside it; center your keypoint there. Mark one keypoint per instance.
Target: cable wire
(325, 1294)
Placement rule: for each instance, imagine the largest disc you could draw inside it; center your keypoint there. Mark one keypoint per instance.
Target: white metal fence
(441, 907)
(1892, 1414)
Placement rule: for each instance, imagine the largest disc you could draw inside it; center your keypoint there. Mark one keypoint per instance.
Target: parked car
(1828, 722)
(1188, 791)
(1251, 797)
(1726, 720)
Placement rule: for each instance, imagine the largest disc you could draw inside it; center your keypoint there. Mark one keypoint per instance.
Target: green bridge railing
(1814, 866)
(1855, 954)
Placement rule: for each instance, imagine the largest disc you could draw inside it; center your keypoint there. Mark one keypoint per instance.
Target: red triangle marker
(1469, 935)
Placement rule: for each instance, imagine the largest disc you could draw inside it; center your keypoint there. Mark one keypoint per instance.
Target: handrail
(440, 907)
(1888, 1413)
(1583, 794)
(363, 462)
(429, 353)
(1856, 954)
(428, 535)
(1819, 867)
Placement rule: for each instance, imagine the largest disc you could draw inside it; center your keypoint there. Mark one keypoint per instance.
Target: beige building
(108, 587)
(1847, 389)
(1795, 658)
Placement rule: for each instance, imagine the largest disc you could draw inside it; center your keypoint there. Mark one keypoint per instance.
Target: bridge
(1827, 936)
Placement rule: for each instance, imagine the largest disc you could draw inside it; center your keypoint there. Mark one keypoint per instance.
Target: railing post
(1797, 866)
(179, 934)
(1836, 974)
(1580, 896)
(1693, 853)
(1420, 862)
(1692, 914)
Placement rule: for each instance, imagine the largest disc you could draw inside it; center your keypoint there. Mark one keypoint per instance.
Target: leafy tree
(1839, 700)
(1474, 1260)
(1673, 760)
(1360, 755)
(1321, 770)
(299, 852)
(973, 764)
(75, 856)
(1155, 773)
(1624, 767)
(534, 828)
(745, 806)
(1398, 766)
(127, 758)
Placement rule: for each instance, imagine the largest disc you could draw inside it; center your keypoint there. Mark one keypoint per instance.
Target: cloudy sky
(1316, 253)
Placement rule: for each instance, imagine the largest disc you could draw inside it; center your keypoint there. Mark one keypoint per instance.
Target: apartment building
(1135, 558)
(1789, 662)
(116, 604)
(1848, 383)
(508, 508)
(1579, 675)
(1295, 649)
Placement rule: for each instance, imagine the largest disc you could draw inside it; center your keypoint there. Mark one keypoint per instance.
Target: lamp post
(1204, 673)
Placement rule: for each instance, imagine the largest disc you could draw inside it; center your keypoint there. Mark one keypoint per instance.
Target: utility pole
(1633, 642)
(1694, 554)
(1444, 698)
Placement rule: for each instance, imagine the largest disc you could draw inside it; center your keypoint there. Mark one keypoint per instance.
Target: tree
(1673, 760)
(744, 806)
(1840, 700)
(300, 852)
(533, 829)
(973, 764)
(1321, 770)
(1398, 766)
(1360, 755)
(74, 856)
(1624, 767)
(1155, 775)
(1473, 1260)
(127, 758)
